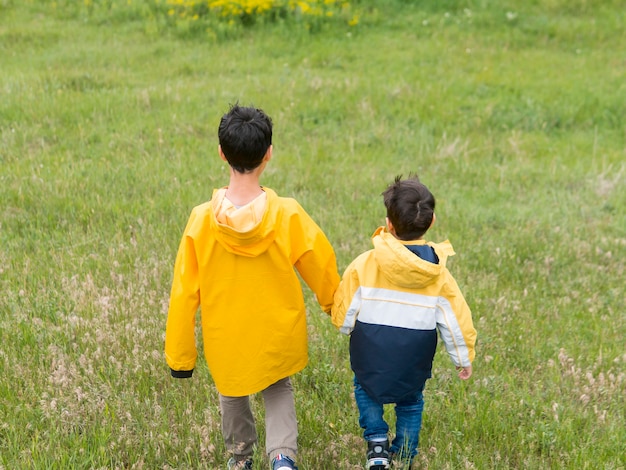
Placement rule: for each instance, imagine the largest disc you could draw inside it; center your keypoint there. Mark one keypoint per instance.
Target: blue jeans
(408, 421)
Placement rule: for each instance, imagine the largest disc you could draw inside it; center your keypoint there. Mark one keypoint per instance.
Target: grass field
(512, 112)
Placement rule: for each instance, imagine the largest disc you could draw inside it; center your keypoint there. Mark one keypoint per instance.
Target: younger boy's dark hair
(245, 134)
(410, 207)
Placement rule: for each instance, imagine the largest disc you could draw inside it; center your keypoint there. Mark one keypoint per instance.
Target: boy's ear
(389, 225)
(433, 221)
(268, 154)
(222, 156)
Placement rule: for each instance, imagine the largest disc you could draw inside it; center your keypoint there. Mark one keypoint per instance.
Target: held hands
(464, 372)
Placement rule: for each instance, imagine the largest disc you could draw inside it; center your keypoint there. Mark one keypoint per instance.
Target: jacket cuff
(181, 374)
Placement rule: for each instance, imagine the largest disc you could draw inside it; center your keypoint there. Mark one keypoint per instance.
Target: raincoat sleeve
(315, 259)
(180, 343)
(347, 302)
(454, 322)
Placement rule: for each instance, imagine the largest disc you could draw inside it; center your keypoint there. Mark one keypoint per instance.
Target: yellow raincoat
(252, 307)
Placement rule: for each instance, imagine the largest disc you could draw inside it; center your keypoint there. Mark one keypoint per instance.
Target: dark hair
(245, 134)
(410, 207)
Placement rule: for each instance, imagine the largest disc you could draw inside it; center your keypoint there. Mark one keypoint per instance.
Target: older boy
(236, 261)
(392, 300)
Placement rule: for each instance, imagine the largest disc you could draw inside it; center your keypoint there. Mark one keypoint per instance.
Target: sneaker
(239, 464)
(282, 462)
(377, 455)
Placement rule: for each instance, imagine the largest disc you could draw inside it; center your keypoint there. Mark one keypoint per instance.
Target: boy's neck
(244, 187)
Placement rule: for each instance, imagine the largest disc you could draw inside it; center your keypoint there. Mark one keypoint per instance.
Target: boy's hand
(464, 372)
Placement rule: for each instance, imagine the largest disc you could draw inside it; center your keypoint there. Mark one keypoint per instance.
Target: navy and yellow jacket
(392, 303)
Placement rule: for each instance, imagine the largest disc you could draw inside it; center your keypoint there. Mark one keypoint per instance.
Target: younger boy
(236, 261)
(392, 300)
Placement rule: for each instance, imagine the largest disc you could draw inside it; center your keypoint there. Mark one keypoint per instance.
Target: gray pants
(281, 427)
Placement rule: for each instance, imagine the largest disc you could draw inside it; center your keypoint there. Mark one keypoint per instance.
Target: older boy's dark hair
(410, 207)
(245, 134)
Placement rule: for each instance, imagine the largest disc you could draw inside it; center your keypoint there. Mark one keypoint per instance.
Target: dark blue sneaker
(377, 455)
(282, 462)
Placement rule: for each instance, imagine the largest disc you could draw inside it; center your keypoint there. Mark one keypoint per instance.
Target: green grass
(513, 113)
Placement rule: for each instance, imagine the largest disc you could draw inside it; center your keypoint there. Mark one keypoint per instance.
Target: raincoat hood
(401, 266)
(252, 242)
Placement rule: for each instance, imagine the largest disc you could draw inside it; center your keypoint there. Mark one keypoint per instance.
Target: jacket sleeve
(347, 301)
(315, 259)
(454, 322)
(180, 343)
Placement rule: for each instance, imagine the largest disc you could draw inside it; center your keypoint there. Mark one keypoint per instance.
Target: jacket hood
(252, 242)
(404, 268)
